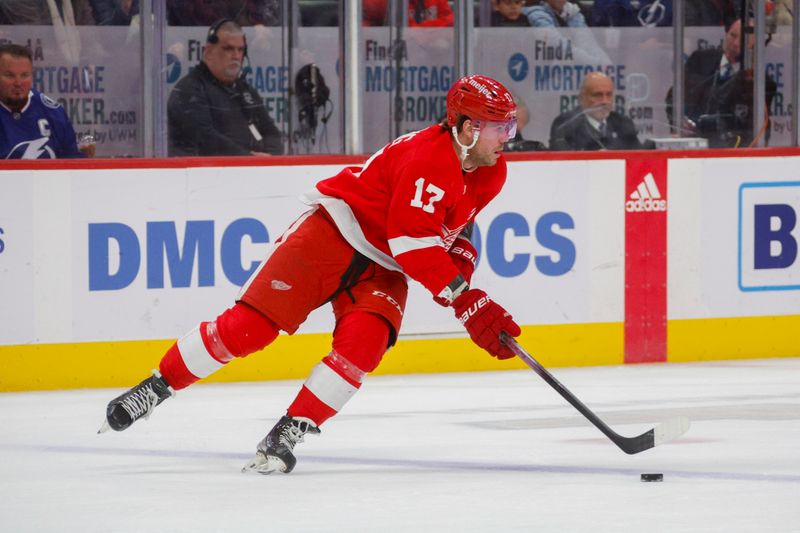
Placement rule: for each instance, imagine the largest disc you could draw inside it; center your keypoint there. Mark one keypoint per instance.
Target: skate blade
(105, 427)
(264, 465)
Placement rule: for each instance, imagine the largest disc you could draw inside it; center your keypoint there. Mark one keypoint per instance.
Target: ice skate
(274, 453)
(136, 403)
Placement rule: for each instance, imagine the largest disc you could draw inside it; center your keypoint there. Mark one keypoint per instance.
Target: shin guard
(359, 342)
(237, 332)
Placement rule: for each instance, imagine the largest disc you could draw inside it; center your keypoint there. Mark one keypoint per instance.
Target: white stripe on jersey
(401, 245)
(348, 226)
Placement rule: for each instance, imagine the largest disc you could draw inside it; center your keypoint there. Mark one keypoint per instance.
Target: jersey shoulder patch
(49, 102)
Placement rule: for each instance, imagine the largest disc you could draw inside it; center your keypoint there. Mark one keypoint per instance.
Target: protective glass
(499, 130)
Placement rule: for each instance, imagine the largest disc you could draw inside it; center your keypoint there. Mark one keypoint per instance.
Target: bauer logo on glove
(470, 312)
(484, 320)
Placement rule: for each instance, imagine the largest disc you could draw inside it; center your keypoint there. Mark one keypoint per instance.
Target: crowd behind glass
(265, 19)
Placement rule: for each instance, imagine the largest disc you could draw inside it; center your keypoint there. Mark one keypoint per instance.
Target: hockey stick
(664, 432)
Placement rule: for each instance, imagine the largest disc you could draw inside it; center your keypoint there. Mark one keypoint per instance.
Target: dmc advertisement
(127, 254)
(132, 254)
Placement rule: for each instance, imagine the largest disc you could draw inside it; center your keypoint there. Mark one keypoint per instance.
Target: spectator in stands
(519, 143)
(429, 13)
(648, 13)
(317, 13)
(374, 12)
(32, 125)
(421, 13)
(614, 13)
(42, 12)
(205, 13)
(708, 12)
(213, 110)
(782, 11)
(114, 12)
(718, 94)
(553, 17)
(594, 125)
(508, 13)
(555, 14)
(63, 15)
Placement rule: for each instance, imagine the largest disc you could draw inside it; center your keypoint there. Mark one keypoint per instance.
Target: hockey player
(407, 211)
(32, 125)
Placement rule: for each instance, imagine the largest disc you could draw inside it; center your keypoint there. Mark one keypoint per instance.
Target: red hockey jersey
(405, 207)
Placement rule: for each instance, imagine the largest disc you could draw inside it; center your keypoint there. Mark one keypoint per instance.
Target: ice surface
(497, 451)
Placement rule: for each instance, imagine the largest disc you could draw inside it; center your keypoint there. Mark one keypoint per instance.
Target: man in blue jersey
(32, 125)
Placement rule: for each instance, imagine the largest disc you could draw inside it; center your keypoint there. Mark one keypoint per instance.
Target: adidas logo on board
(646, 197)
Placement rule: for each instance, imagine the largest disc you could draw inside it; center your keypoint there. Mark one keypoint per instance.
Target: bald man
(594, 125)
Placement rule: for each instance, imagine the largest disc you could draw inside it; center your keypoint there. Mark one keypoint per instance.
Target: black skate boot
(274, 453)
(138, 402)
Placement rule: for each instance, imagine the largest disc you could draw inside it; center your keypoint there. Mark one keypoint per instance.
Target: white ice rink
(488, 452)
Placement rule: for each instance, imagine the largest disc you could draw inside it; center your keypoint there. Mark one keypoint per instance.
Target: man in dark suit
(594, 125)
(718, 94)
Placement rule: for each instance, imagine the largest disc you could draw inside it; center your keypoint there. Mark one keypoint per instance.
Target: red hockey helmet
(480, 98)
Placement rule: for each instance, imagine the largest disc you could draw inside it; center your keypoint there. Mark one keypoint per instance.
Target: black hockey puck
(652, 477)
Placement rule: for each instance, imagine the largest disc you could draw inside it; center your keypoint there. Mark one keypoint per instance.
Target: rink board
(105, 262)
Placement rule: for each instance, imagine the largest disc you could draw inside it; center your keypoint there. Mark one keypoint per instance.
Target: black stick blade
(664, 432)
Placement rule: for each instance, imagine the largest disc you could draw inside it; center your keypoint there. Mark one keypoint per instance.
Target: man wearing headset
(213, 110)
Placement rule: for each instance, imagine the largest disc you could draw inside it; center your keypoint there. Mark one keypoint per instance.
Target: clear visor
(499, 130)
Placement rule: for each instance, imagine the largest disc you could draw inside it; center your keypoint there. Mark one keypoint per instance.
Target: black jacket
(572, 131)
(205, 117)
(500, 20)
(708, 12)
(722, 110)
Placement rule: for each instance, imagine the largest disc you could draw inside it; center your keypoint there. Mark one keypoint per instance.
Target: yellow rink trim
(711, 339)
(122, 364)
